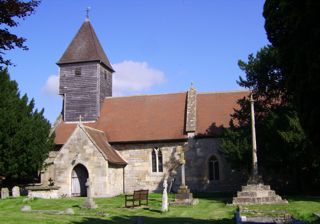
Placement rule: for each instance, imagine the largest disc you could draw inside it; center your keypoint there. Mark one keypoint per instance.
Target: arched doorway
(79, 176)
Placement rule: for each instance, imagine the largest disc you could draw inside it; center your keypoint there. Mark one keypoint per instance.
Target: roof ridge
(227, 91)
(138, 95)
(92, 36)
(95, 129)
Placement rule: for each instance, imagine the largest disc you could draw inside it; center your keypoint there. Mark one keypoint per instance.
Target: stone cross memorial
(89, 203)
(184, 196)
(255, 192)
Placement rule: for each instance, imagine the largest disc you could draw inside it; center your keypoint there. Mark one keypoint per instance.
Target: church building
(133, 142)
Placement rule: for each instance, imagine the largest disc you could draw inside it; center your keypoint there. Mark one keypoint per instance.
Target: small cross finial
(192, 86)
(87, 13)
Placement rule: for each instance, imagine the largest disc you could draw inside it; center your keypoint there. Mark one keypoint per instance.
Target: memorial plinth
(184, 197)
(257, 194)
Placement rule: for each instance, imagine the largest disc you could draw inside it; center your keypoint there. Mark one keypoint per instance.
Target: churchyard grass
(212, 208)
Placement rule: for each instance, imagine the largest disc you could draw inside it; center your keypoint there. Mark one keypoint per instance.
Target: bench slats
(137, 196)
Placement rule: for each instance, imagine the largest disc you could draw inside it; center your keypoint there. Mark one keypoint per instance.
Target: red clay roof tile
(157, 117)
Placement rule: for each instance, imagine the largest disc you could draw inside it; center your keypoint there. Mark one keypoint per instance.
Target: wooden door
(79, 178)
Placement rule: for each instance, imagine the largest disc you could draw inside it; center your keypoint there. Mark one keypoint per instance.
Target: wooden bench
(137, 196)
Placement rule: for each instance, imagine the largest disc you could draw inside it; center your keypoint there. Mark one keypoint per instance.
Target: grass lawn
(212, 208)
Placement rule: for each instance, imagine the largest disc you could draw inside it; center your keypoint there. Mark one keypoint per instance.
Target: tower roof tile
(85, 47)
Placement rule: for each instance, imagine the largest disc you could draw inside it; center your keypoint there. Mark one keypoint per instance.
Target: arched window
(157, 164)
(213, 168)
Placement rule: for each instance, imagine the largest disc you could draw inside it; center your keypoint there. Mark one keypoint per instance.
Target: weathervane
(87, 12)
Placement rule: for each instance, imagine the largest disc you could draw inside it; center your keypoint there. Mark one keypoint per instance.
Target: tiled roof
(101, 142)
(214, 110)
(158, 117)
(85, 47)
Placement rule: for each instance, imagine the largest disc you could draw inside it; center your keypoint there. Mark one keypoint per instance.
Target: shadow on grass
(151, 220)
(221, 197)
(302, 198)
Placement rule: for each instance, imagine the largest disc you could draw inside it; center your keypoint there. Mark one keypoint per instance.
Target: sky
(155, 46)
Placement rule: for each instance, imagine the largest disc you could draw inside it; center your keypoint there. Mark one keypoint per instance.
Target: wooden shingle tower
(85, 76)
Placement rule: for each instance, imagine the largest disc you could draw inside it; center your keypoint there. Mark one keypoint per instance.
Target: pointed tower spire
(85, 47)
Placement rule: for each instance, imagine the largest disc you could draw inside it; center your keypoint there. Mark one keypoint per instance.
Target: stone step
(258, 200)
(256, 187)
(258, 193)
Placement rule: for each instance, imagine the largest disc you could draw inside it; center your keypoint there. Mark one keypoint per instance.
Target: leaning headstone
(4, 193)
(15, 192)
(69, 211)
(165, 197)
(89, 203)
(26, 208)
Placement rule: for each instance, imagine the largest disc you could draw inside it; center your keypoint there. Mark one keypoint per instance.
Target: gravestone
(69, 211)
(89, 203)
(4, 193)
(165, 197)
(26, 208)
(15, 192)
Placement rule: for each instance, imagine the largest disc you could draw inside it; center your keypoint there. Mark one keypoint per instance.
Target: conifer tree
(24, 134)
(283, 148)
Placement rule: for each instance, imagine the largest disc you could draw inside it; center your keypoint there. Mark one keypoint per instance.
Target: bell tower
(85, 76)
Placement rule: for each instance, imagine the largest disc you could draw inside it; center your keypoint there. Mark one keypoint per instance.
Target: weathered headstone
(26, 208)
(4, 193)
(165, 197)
(89, 203)
(69, 211)
(15, 192)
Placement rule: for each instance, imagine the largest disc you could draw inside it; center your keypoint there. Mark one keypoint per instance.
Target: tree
(24, 134)
(283, 148)
(293, 28)
(10, 12)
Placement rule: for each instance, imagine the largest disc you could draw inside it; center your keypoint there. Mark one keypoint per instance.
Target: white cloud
(132, 77)
(52, 85)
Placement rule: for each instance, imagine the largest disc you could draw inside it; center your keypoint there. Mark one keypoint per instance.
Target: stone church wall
(197, 168)
(139, 175)
(115, 180)
(80, 150)
(138, 172)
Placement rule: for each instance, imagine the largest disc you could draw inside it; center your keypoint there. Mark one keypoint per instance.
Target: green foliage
(236, 144)
(293, 28)
(10, 12)
(24, 142)
(285, 156)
